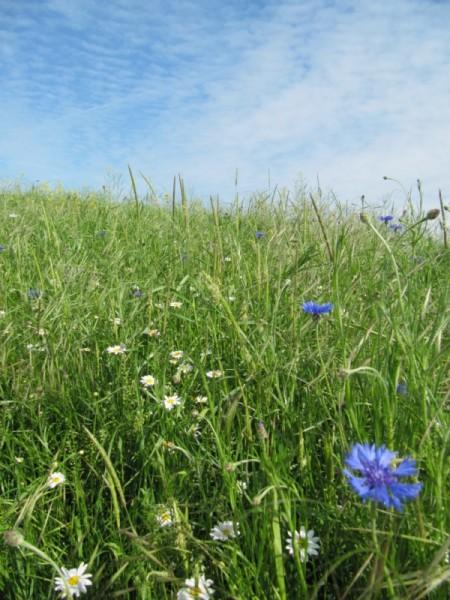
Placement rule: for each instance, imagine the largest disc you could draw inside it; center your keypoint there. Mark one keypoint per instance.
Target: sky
(281, 92)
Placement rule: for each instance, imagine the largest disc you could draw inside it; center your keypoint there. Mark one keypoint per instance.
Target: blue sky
(346, 90)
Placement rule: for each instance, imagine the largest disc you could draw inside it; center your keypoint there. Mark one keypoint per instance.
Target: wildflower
(185, 368)
(34, 294)
(117, 349)
(380, 476)
(164, 518)
(214, 374)
(385, 219)
(196, 588)
(42, 332)
(315, 309)
(175, 356)
(402, 389)
(175, 304)
(262, 431)
(148, 380)
(117, 321)
(102, 233)
(227, 259)
(13, 215)
(73, 582)
(231, 298)
(171, 401)
(19, 459)
(241, 486)
(259, 235)
(151, 332)
(396, 227)
(306, 541)
(55, 479)
(2, 247)
(433, 213)
(201, 399)
(13, 538)
(137, 292)
(224, 531)
(2, 313)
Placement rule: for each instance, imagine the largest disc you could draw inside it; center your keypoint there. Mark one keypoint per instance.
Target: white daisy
(214, 374)
(148, 381)
(151, 332)
(164, 518)
(201, 399)
(55, 479)
(224, 531)
(117, 321)
(171, 401)
(175, 356)
(196, 588)
(307, 543)
(74, 581)
(175, 304)
(117, 349)
(185, 368)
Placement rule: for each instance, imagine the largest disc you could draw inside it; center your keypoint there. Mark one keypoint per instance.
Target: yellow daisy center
(73, 580)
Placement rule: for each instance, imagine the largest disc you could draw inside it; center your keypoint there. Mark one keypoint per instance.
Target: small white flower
(185, 368)
(197, 588)
(164, 518)
(73, 582)
(151, 332)
(19, 460)
(148, 380)
(241, 486)
(2, 313)
(13, 215)
(227, 259)
(55, 479)
(214, 374)
(171, 401)
(175, 304)
(307, 543)
(201, 399)
(224, 531)
(117, 321)
(176, 356)
(231, 298)
(117, 349)
(42, 332)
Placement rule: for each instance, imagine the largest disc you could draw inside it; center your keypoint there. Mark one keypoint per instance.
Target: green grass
(317, 386)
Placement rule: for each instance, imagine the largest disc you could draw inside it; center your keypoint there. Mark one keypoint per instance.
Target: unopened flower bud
(13, 538)
(433, 213)
(363, 218)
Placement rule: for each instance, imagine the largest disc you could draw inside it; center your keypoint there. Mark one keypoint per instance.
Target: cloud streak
(349, 91)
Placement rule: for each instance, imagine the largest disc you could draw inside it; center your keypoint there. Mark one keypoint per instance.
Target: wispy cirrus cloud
(349, 91)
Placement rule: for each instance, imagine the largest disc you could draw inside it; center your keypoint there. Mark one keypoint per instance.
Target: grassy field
(160, 378)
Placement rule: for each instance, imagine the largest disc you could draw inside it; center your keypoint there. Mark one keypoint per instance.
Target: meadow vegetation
(170, 411)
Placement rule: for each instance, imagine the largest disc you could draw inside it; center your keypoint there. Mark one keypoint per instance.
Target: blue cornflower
(402, 389)
(396, 227)
(2, 247)
(34, 294)
(259, 235)
(386, 218)
(379, 479)
(137, 293)
(317, 309)
(102, 233)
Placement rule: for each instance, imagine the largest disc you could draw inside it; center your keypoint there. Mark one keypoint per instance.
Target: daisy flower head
(224, 531)
(259, 235)
(136, 292)
(214, 374)
(315, 309)
(379, 472)
(171, 401)
(55, 479)
(13, 215)
(402, 389)
(185, 368)
(151, 332)
(164, 518)
(385, 218)
(116, 321)
(148, 381)
(116, 349)
(196, 588)
(175, 304)
(34, 294)
(306, 541)
(73, 581)
(175, 356)
(201, 399)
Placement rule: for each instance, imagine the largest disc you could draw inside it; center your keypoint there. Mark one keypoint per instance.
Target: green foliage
(265, 447)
